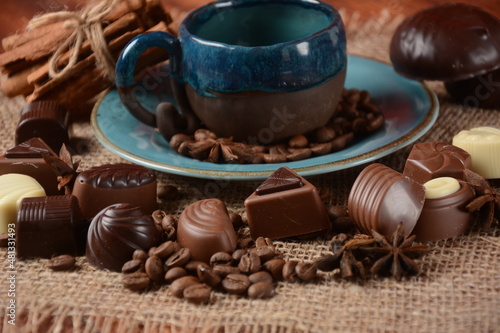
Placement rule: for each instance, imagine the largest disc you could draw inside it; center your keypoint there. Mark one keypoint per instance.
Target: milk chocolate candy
(483, 144)
(436, 159)
(46, 120)
(108, 184)
(26, 158)
(381, 198)
(285, 205)
(116, 232)
(14, 188)
(445, 216)
(49, 226)
(205, 228)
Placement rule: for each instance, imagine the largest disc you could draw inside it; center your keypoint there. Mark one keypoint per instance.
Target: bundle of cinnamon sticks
(25, 62)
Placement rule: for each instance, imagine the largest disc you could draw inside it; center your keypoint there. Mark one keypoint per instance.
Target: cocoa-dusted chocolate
(436, 159)
(445, 216)
(102, 186)
(285, 205)
(43, 119)
(205, 228)
(26, 158)
(116, 232)
(381, 198)
(49, 226)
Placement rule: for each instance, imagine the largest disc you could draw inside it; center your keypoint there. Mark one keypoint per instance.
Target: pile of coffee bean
(356, 117)
(250, 272)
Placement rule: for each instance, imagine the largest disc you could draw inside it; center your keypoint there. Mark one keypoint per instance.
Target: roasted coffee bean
(61, 263)
(175, 273)
(140, 255)
(244, 218)
(275, 268)
(177, 287)
(289, 273)
(375, 124)
(261, 290)
(263, 241)
(322, 148)
(165, 250)
(342, 141)
(236, 283)
(132, 266)
(178, 139)
(184, 148)
(198, 293)
(204, 134)
(168, 221)
(336, 212)
(261, 276)
(207, 275)
(244, 243)
(151, 251)
(193, 265)
(225, 270)
(324, 134)
(154, 269)
(264, 253)
(299, 154)
(136, 281)
(327, 263)
(221, 258)
(158, 216)
(167, 192)
(169, 233)
(306, 271)
(237, 255)
(343, 224)
(274, 158)
(298, 141)
(236, 220)
(179, 258)
(359, 125)
(249, 263)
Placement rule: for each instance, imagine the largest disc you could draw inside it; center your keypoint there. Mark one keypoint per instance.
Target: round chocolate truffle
(116, 232)
(451, 43)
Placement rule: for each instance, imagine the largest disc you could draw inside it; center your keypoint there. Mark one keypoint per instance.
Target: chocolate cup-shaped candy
(431, 160)
(381, 198)
(116, 232)
(445, 217)
(205, 228)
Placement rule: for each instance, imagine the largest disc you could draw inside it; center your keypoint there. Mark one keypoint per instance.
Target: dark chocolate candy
(445, 217)
(48, 226)
(449, 42)
(205, 228)
(381, 198)
(26, 158)
(286, 211)
(108, 184)
(44, 119)
(116, 232)
(436, 159)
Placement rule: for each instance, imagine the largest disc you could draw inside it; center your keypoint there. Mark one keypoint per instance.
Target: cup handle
(170, 122)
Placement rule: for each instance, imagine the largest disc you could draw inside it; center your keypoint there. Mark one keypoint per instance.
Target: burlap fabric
(458, 291)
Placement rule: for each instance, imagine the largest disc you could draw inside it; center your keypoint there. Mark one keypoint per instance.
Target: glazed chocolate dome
(450, 42)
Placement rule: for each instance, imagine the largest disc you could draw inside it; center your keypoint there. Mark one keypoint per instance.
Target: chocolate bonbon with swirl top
(116, 232)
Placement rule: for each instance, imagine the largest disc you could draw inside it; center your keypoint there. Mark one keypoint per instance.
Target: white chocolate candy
(14, 188)
(483, 145)
(441, 187)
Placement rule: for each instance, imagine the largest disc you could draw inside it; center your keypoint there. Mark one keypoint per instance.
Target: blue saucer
(409, 107)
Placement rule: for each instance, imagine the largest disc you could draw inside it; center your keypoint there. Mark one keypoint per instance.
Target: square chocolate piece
(285, 205)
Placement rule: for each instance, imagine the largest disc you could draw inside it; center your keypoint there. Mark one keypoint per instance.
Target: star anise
(486, 202)
(396, 256)
(63, 167)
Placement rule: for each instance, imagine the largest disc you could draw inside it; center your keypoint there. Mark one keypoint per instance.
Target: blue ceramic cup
(256, 70)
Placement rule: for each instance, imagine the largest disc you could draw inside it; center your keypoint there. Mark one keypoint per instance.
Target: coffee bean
(244, 217)
(336, 212)
(299, 154)
(151, 251)
(184, 147)
(198, 293)
(140, 255)
(342, 141)
(225, 270)
(306, 271)
(275, 268)
(343, 224)
(289, 273)
(375, 124)
(175, 273)
(192, 265)
(236, 220)
(274, 158)
(246, 242)
(61, 263)
(205, 274)
(168, 222)
(265, 253)
(179, 258)
(136, 281)
(261, 276)
(204, 134)
(249, 263)
(158, 216)
(154, 269)
(236, 283)
(322, 148)
(221, 258)
(263, 241)
(167, 192)
(261, 290)
(132, 266)
(177, 287)
(298, 141)
(237, 255)
(324, 134)
(165, 250)
(178, 139)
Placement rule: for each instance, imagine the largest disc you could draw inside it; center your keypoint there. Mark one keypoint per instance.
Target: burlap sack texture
(458, 291)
